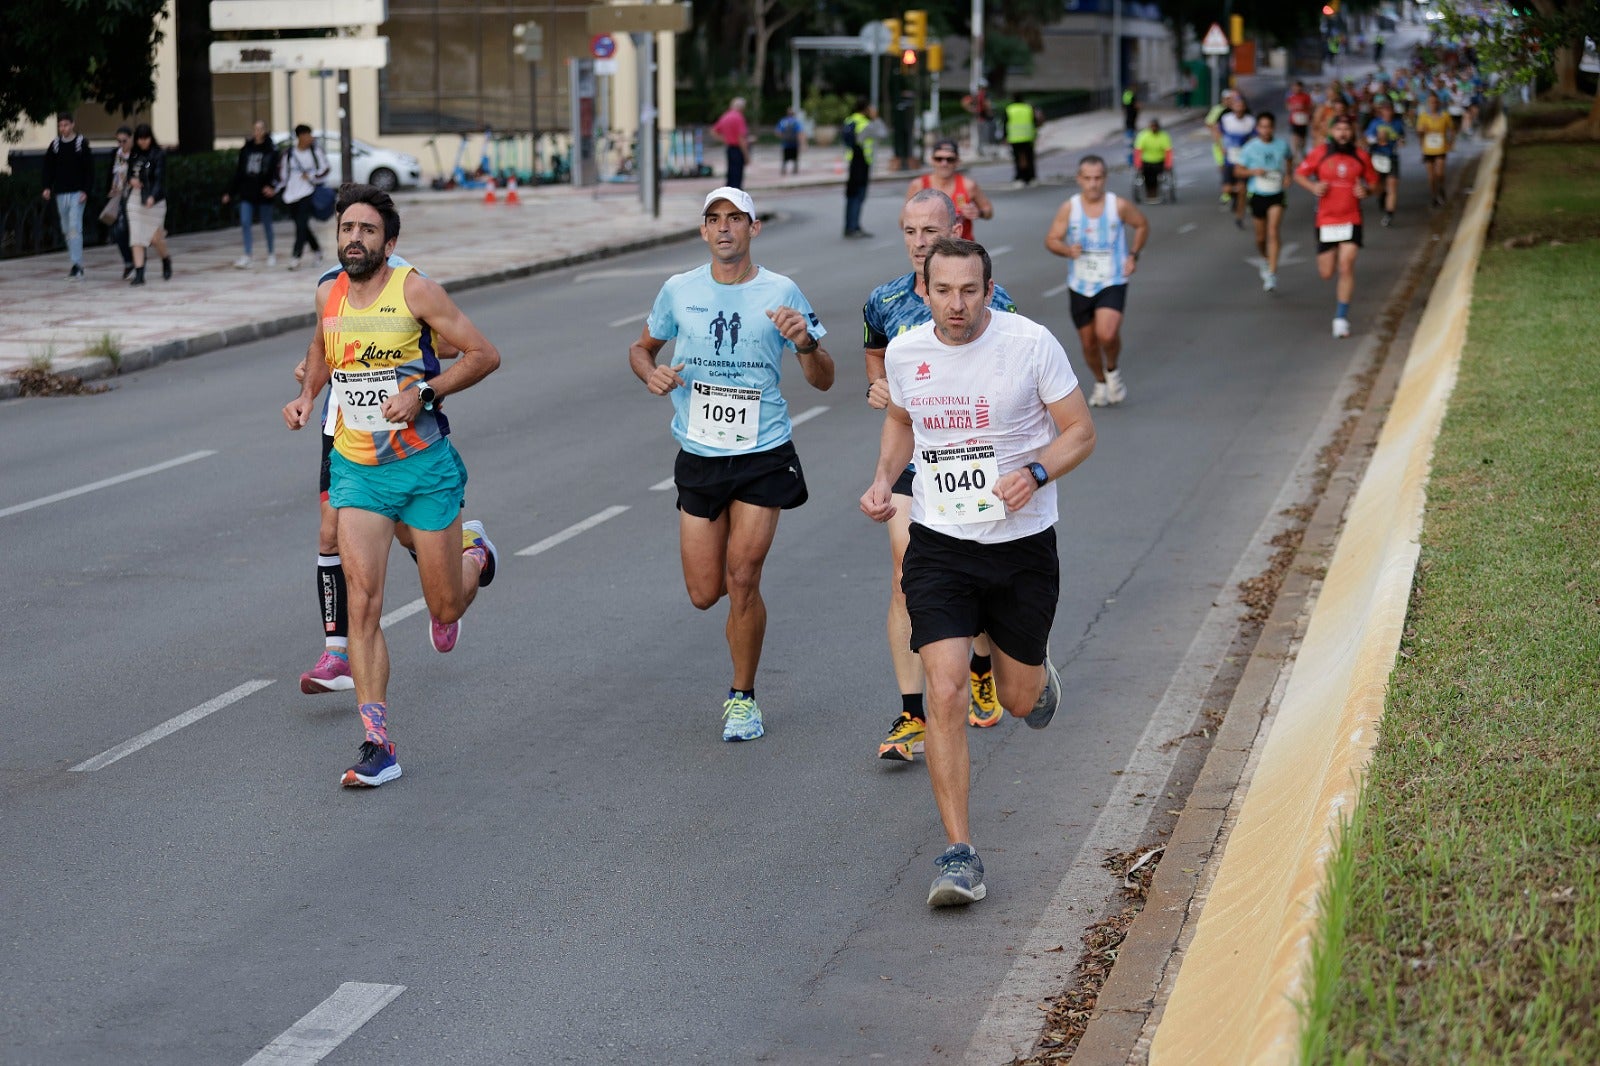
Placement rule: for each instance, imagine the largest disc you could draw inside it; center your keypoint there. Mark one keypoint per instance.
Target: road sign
(602, 46)
(877, 38)
(301, 53)
(639, 18)
(605, 66)
(530, 41)
(1216, 42)
(296, 14)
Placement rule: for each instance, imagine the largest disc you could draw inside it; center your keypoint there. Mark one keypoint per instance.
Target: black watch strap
(1041, 476)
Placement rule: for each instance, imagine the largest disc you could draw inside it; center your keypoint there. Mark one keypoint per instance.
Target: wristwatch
(810, 346)
(426, 394)
(1040, 475)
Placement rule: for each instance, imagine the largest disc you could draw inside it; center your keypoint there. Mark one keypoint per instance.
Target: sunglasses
(944, 159)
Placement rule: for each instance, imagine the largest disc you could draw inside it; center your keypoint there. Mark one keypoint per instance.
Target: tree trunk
(764, 30)
(196, 123)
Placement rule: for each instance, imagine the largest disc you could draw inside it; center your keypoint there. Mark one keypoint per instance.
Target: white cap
(737, 197)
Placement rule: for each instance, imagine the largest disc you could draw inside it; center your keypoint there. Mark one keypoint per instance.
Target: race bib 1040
(960, 483)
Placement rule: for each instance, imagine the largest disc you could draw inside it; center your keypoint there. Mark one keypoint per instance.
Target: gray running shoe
(1049, 699)
(960, 879)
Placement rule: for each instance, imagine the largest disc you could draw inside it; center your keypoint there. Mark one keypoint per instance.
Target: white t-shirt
(991, 391)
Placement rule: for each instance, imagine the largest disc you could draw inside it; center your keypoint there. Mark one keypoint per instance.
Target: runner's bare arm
(313, 371)
(1132, 216)
(642, 358)
(815, 362)
(980, 199)
(1056, 238)
(877, 382)
(1073, 444)
(894, 452)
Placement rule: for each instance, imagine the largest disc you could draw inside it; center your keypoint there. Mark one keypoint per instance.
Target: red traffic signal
(909, 57)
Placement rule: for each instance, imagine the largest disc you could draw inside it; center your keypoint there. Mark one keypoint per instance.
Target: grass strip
(1465, 925)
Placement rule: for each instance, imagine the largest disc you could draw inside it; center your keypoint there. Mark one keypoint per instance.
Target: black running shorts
(707, 485)
(326, 476)
(903, 485)
(1260, 205)
(1112, 297)
(960, 588)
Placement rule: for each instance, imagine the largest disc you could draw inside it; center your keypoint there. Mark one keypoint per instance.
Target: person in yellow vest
(860, 133)
(1153, 149)
(1022, 126)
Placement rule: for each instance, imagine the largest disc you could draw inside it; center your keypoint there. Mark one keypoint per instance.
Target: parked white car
(372, 165)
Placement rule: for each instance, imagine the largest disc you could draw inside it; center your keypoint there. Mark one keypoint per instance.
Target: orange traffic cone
(488, 197)
(511, 192)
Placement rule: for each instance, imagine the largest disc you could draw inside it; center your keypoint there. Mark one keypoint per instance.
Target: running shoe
(960, 879)
(741, 719)
(1341, 327)
(1388, 219)
(1269, 282)
(473, 536)
(443, 636)
(1049, 698)
(331, 674)
(244, 262)
(76, 273)
(1097, 398)
(377, 765)
(984, 710)
(1116, 391)
(904, 741)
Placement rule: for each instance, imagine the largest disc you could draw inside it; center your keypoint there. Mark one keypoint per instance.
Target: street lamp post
(976, 80)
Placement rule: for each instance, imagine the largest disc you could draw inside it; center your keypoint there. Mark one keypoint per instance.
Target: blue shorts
(424, 490)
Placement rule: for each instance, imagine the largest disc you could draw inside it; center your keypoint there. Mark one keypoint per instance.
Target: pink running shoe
(331, 674)
(443, 636)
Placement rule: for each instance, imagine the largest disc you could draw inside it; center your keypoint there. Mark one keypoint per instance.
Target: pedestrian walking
(392, 461)
(734, 132)
(147, 202)
(736, 469)
(255, 185)
(68, 177)
(302, 170)
(116, 209)
(988, 404)
(1022, 128)
(860, 133)
(790, 131)
(1153, 150)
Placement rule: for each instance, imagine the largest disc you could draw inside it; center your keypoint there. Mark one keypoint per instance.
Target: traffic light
(935, 57)
(908, 58)
(916, 29)
(893, 26)
(1236, 29)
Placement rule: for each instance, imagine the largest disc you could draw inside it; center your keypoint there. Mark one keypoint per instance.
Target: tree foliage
(60, 53)
(1522, 41)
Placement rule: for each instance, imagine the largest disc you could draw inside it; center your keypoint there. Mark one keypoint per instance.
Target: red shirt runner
(1300, 108)
(1340, 171)
(963, 223)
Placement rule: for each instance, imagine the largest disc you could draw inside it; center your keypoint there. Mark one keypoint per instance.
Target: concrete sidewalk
(50, 323)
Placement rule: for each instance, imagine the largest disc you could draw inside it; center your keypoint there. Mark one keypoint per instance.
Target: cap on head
(737, 197)
(942, 144)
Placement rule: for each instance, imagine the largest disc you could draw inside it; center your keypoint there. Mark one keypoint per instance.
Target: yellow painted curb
(1240, 981)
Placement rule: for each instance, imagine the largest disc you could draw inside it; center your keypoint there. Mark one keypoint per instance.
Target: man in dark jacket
(254, 186)
(68, 176)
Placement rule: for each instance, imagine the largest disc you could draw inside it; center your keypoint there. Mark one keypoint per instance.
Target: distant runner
(1340, 175)
(1265, 162)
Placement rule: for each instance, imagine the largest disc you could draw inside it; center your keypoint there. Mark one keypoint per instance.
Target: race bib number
(1270, 183)
(959, 483)
(724, 416)
(1433, 142)
(1299, 118)
(1456, 110)
(361, 394)
(1336, 234)
(1232, 155)
(1382, 164)
(1094, 268)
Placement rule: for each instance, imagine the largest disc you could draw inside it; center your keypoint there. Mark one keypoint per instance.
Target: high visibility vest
(859, 123)
(1127, 97)
(1019, 123)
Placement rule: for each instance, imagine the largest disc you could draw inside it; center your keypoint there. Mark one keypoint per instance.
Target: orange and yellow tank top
(373, 352)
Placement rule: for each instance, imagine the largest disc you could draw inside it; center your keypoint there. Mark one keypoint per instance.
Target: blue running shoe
(474, 530)
(1049, 698)
(377, 765)
(741, 719)
(960, 879)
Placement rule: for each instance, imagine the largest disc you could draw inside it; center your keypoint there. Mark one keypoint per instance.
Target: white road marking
(995, 253)
(1057, 291)
(170, 726)
(806, 416)
(573, 530)
(624, 272)
(106, 483)
(329, 1024)
(1187, 227)
(403, 612)
(640, 317)
(664, 485)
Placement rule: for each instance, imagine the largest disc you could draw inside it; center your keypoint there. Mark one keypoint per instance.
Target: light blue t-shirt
(726, 339)
(1271, 156)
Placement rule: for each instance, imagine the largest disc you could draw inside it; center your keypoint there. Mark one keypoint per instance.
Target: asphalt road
(574, 868)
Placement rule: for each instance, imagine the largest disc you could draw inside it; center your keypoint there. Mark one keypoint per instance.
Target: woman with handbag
(115, 213)
(147, 201)
(300, 175)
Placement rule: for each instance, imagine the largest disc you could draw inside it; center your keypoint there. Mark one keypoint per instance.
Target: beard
(362, 265)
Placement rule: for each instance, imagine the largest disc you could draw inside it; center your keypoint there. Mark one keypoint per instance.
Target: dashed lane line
(573, 530)
(67, 494)
(329, 1024)
(640, 317)
(167, 728)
